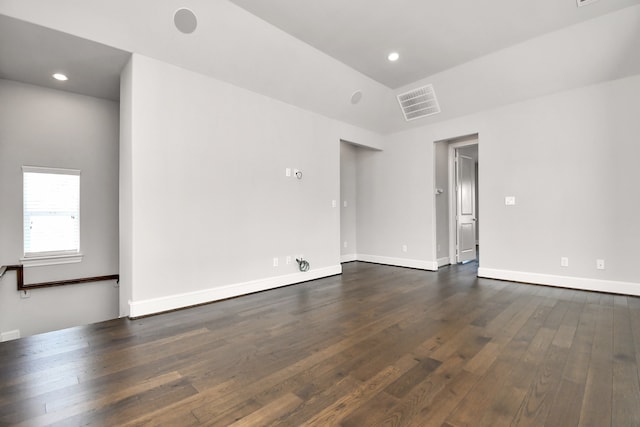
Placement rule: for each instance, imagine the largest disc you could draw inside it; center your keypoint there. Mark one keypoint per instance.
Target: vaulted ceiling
(430, 35)
(315, 55)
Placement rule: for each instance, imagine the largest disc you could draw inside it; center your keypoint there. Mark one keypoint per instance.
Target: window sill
(40, 261)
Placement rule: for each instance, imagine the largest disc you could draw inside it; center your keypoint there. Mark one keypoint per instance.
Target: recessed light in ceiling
(185, 21)
(393, 56)
(60, 76)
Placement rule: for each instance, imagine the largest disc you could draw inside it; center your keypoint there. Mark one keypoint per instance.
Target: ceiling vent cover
(420, 102)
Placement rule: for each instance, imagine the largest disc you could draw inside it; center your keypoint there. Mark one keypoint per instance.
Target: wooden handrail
(22, 287)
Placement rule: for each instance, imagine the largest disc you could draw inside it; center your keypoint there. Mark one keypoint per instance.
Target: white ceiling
(31, 54)
(477, 55)
(430, 35)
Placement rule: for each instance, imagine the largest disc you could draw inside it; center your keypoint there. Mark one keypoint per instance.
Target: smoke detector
(419, 102)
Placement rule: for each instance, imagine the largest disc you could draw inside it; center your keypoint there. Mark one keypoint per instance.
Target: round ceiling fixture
(61, 77)
(393, 56)
(185, 21)
(356, 97)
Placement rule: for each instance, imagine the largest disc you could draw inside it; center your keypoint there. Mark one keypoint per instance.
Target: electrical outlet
(344, 244)
(334, 203)
(287, 172)
(275, 262)
(564, 262)
(288, 259)
(600, 264)
(510, 200)
(404, 248)
(344, 203)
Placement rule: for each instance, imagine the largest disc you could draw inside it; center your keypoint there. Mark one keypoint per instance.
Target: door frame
(453, 195)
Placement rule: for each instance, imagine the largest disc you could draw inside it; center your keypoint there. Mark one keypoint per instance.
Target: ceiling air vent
(585, 2)
(420, 102)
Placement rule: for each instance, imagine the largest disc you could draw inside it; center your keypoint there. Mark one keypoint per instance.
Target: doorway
(465, 202)
(457, 214)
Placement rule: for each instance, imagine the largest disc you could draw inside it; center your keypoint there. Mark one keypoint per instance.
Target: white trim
(453, 193)
(10, 335)
(443, 261)
(399, 262)
(39, 261)
(59, 171)
(434, 206)
(451, 159)
(582, 283)
(348, 257)
(176, 301)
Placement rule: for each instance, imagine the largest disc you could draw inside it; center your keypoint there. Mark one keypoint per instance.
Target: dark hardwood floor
(378, 345)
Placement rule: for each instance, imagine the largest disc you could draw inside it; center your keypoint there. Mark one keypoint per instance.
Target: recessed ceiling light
(60, 76)
(393, 56)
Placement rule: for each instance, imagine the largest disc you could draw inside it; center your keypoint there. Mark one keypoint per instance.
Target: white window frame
(35, 259)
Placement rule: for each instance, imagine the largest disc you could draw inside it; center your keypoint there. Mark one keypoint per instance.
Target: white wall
(441, 166)
(569, 159)
(348, 193)
(395, 203)
(210, 203)
(125, 183)
(44, 127)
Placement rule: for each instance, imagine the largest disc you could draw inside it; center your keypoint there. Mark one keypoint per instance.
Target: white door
(465, 208)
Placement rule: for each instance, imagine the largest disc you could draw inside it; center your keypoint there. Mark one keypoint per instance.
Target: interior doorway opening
(456, 189)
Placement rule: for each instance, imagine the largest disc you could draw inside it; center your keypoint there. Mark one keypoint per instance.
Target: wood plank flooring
(377, 346)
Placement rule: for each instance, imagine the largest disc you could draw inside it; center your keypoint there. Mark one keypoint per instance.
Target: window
(51, 216)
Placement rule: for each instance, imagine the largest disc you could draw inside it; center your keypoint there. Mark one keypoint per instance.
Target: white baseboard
(443, 261)
(399, 262)
(173, 302)
(10, 335)
(348, 257)
(610, 286)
